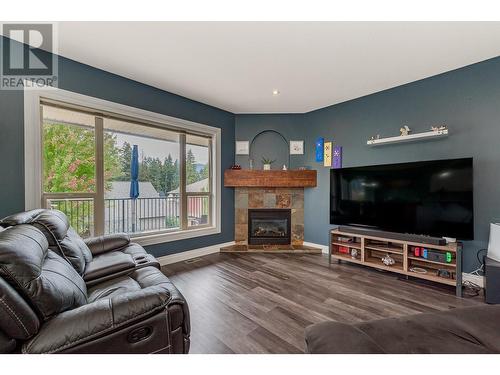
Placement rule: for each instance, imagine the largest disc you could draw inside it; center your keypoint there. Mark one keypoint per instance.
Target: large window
(113, 173)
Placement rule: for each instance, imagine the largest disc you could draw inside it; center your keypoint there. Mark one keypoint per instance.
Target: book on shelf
(344, 250)
(344, 239)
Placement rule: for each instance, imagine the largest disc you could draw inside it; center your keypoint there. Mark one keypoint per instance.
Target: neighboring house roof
(121, 190)
(195, 187)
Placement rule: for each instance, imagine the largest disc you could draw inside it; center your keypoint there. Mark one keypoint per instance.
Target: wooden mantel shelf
(277, 178)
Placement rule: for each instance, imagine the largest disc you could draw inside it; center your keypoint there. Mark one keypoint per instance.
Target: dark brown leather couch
(471, 330)
(48, 306)
(96, 259)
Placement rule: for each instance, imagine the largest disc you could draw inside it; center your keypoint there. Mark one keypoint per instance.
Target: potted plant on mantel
(266, 163)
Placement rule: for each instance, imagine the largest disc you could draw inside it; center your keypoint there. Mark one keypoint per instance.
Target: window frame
(34, 194)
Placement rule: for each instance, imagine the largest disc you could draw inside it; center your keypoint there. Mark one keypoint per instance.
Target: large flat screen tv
(431, 198)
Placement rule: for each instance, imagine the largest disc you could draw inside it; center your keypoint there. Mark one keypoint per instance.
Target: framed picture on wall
(296, 147)
(242, 147)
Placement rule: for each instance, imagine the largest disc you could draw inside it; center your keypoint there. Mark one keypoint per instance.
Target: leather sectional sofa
(62, 294)
(471, 330)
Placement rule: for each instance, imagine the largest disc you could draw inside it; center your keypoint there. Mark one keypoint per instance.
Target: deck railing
(132, 215)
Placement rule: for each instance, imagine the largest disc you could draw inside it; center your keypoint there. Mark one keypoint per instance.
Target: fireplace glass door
(268, 227)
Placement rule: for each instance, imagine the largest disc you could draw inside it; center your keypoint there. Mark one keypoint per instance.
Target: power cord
(471, 289)
(479, 271)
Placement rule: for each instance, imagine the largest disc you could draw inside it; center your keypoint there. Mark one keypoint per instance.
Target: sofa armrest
(109, 242)
(7, 344)
(339, 338)
(98, 320)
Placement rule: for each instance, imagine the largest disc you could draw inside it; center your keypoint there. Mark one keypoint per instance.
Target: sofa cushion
(63, 239)
(339, 338)
(49, 283)
(114, 303)
(471, 330)
(465, 330)
(148, 277)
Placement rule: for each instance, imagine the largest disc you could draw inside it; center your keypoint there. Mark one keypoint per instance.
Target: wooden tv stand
(370, 251)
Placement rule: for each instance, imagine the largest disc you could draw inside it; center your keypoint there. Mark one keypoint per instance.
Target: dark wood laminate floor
(261, 303)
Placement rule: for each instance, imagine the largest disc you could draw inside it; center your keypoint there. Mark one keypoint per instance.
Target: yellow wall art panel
(327, 160)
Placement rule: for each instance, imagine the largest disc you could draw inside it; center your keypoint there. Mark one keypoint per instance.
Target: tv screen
(431, 198)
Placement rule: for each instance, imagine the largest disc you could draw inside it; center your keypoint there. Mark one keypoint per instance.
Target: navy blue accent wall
(466, 99)
(87, 80)
(269, 145)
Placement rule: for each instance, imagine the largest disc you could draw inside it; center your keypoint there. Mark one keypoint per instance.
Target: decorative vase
(267, 167)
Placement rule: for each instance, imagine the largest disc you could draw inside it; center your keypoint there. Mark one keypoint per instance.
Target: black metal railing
(141, 214)
(80, 212)
(133, 215)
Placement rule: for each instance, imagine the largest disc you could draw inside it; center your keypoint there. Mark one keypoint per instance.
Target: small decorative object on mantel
(337, 157)
(296, 147)
(284, 167)
(327, 157)
(388, 260)
(236, 167)
(242, 147)
(405, 130)
(266, 164)
(319, 148)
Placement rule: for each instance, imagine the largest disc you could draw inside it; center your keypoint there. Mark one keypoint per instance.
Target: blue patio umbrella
(134, 182)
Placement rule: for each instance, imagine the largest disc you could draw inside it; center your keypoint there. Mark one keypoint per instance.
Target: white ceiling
(235, 66)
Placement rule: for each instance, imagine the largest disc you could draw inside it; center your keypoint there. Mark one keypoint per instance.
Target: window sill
(154, 239)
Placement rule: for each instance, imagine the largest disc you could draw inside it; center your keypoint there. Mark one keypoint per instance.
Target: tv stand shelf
(369, 250)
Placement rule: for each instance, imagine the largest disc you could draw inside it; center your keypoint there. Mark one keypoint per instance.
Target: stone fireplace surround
(291, 198)
(275, 189)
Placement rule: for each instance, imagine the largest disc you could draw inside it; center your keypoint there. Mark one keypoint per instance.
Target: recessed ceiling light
(276, 92)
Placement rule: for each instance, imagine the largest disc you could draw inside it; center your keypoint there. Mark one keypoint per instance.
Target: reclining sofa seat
(46, 306)
(97, 258)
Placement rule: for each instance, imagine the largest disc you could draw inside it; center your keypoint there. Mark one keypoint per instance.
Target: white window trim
(33, 152)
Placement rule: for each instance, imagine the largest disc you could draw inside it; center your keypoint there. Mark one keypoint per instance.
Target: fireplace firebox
(269, 226)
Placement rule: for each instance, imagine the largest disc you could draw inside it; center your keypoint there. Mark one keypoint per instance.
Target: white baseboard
(478, 280)
(196, 253)
(190, 254)
(324, 248)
